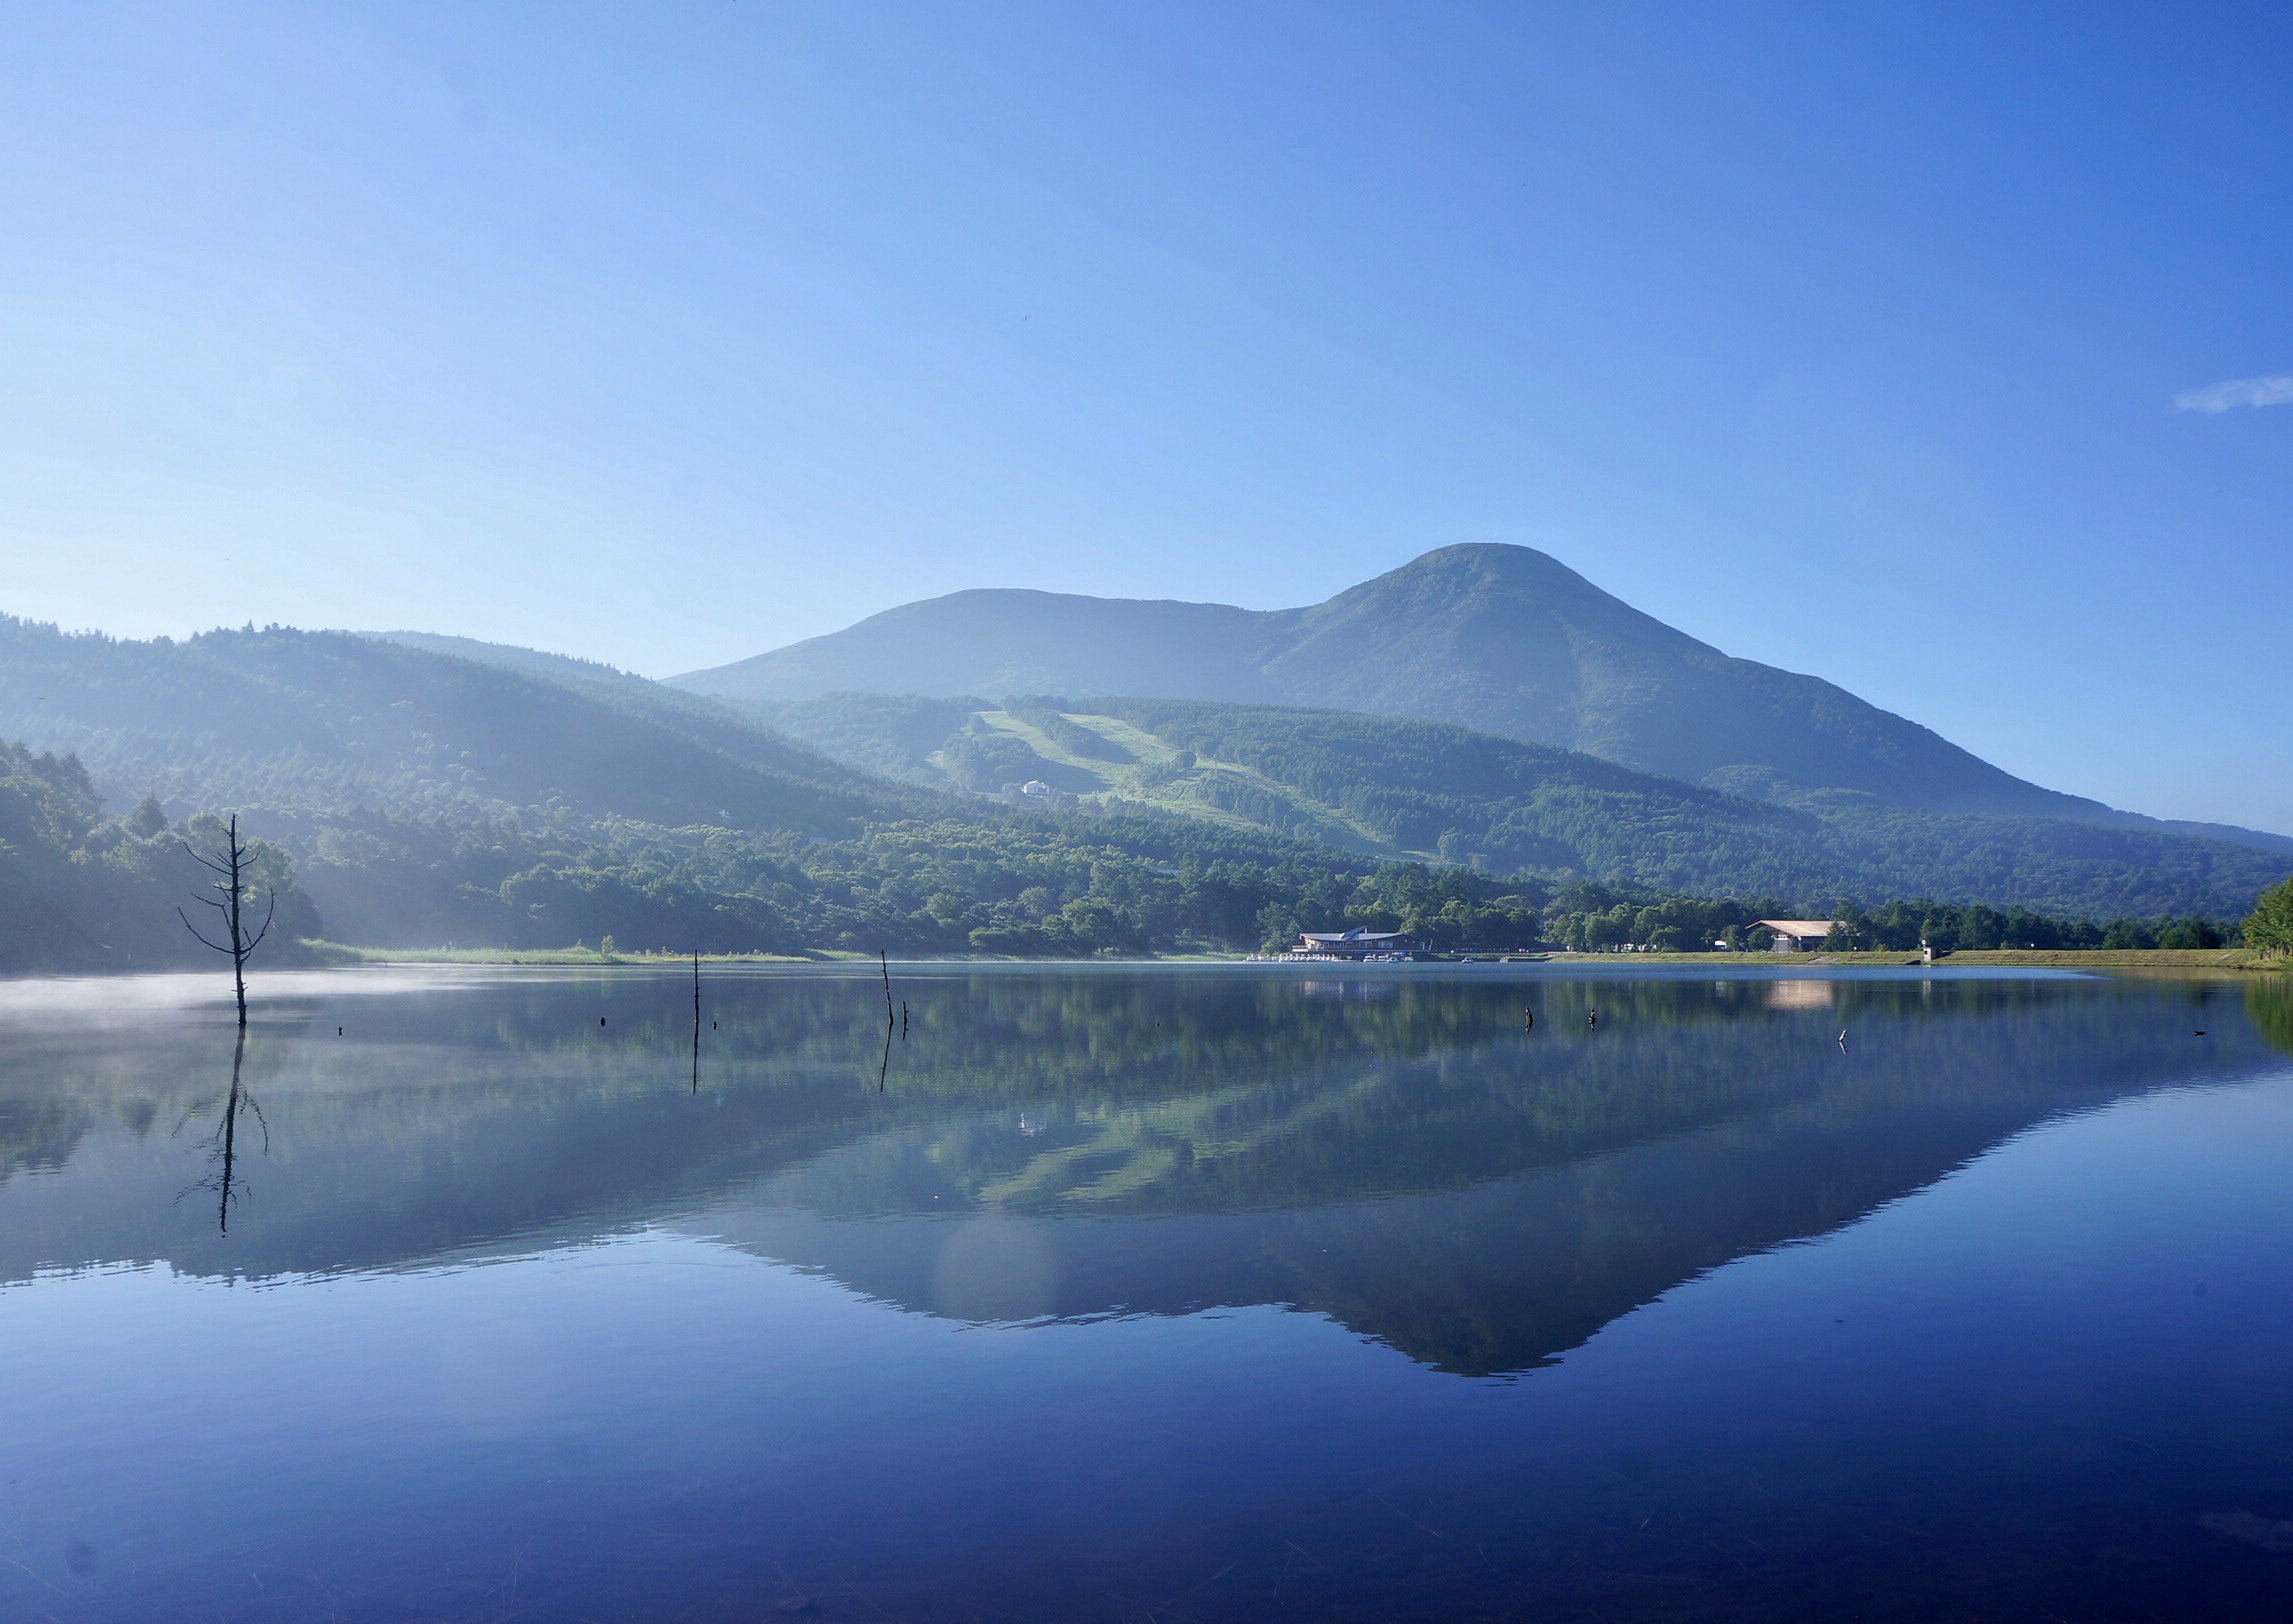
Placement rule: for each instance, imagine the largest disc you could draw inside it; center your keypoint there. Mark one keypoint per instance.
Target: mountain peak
(1492, 636)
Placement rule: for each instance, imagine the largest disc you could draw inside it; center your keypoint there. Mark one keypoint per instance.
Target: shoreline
(2118, 960)
(2233, 963)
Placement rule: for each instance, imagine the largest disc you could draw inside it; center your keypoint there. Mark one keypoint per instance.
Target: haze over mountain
(1501, 639)
(325, 722)
(564, 667)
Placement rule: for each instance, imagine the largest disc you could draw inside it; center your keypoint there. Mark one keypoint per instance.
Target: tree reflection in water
(224, 1144)
(2269, 1006)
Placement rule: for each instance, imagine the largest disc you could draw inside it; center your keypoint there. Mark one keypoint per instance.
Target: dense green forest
(411, 798)
(1597, 918)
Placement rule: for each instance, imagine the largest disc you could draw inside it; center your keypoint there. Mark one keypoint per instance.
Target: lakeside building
(1796, 935)
(1358, 943)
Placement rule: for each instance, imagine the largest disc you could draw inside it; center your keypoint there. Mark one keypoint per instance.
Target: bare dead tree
(231, 879)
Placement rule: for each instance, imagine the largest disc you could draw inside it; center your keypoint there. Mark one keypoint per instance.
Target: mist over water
(1202, 1293)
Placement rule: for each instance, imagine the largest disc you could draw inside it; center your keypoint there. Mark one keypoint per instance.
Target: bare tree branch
(194, 930)
(270, 911)
(203, 862)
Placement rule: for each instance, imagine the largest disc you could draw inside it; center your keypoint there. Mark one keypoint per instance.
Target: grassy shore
(2156, 958)
(2114, 960)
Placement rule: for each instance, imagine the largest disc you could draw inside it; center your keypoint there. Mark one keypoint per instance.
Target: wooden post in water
(883, 1071)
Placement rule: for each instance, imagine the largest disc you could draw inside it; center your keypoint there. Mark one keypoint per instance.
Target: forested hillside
(327, 722)
(565, 667)
(1392, 788)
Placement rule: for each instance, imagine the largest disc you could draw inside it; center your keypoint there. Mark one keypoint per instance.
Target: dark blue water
(1147, 1294)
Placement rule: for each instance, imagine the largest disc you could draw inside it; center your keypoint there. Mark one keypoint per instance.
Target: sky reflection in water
(1130, 1293)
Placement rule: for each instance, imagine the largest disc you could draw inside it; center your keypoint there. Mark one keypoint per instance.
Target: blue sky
(1844, 337)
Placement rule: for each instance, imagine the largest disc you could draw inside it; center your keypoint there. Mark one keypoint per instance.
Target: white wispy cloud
(2220, 397)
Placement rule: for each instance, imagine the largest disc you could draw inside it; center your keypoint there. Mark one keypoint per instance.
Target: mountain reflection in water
(1392, 1151)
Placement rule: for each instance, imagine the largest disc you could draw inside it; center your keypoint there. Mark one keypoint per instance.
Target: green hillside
(1388, 788)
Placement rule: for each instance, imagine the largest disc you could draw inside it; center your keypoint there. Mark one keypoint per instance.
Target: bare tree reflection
(224, 1146)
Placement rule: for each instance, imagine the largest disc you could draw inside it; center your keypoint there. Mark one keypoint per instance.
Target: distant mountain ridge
(323, 722)
(563, 667)
(1501, 639)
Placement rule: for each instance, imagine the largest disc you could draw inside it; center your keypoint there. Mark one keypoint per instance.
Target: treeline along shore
(83, 890)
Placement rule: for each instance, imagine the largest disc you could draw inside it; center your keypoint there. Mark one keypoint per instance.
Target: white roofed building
(1796, 935)
(1358, 943)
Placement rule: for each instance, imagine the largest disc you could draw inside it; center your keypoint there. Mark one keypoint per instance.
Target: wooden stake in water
(885, 1069)
(696, 1023)
(230, 1134)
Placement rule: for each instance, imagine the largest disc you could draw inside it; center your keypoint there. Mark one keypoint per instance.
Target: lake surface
(1146, 1293)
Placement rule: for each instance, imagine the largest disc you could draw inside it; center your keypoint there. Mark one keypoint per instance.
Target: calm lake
(1157, 1293)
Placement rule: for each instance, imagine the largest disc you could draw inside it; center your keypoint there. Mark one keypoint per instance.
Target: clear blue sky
(1844, 337)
